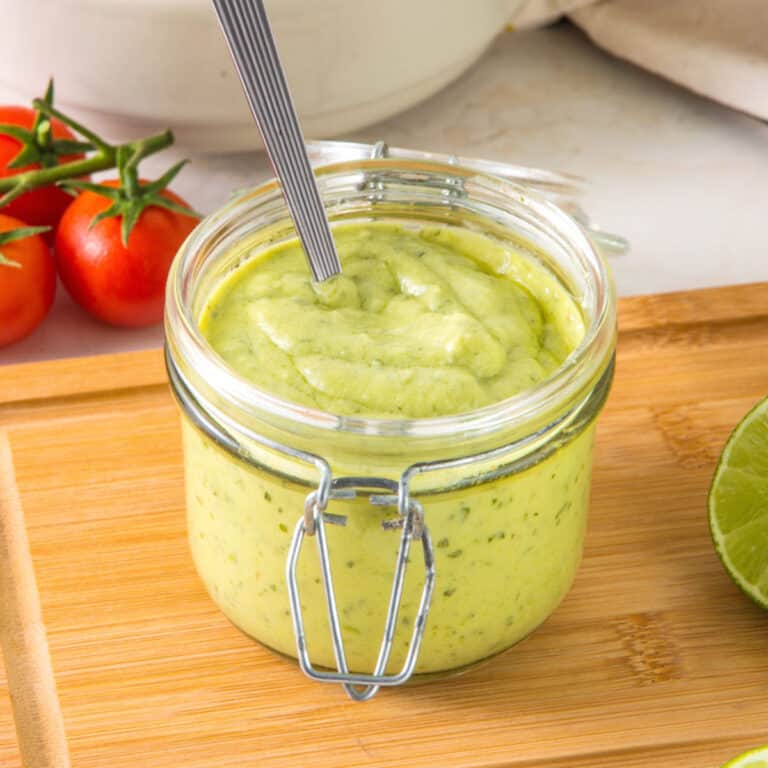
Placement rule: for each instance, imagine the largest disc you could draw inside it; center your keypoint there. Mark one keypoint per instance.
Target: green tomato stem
(103, 159)
(4, 262)
(129, 174)
(10, 236)
(45, 108)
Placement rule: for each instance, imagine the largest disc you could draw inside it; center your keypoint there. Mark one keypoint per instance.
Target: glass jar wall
(504, 488)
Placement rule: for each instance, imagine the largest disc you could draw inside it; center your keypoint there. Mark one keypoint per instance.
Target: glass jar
(301, 522)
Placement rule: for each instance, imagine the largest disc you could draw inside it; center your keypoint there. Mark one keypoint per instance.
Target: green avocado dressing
(421, 323)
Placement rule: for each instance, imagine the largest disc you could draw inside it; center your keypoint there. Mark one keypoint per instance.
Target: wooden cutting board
(655, 658)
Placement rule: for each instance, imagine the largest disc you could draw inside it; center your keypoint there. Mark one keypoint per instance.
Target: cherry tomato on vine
(43, 206)
(27, 280)
(116, 275)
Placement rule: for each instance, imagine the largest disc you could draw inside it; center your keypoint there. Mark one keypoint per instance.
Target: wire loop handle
(361, 687)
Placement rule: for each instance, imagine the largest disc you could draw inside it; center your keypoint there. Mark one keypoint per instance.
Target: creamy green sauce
(506, 553)
(421, 323)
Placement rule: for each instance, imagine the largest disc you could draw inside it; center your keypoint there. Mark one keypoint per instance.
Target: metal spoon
(253, 50)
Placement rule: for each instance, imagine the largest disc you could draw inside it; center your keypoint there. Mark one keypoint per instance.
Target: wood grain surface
(654, 659)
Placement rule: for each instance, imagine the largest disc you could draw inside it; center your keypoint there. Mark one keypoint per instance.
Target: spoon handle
(249, 37)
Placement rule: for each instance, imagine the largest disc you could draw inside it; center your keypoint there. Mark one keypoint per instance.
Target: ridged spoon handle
(246, 28)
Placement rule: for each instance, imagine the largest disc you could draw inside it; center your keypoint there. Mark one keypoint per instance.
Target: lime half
(738, 506)
(755, 758)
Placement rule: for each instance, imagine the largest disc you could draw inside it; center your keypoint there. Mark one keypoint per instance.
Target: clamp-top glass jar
(301, 522)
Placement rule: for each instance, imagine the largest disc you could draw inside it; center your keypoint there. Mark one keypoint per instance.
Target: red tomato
(46, 204)
(26, 293)
(118, 284)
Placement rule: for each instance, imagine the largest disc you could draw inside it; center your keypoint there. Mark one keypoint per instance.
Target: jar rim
(184, 337)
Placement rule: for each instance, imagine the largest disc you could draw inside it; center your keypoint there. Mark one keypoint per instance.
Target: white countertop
(684, 179)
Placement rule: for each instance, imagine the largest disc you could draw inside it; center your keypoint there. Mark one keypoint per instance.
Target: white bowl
(131, 67)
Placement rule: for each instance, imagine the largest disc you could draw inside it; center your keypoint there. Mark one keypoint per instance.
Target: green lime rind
(755, 758)
(738, 505)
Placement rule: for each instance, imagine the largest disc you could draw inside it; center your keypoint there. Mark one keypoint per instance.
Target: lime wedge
(755, 758)
(738, 505)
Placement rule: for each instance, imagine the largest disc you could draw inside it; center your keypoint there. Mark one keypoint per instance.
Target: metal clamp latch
(453, 186)
(411, 522)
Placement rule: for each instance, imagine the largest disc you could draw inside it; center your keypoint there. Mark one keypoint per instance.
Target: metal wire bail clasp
(411, 524)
